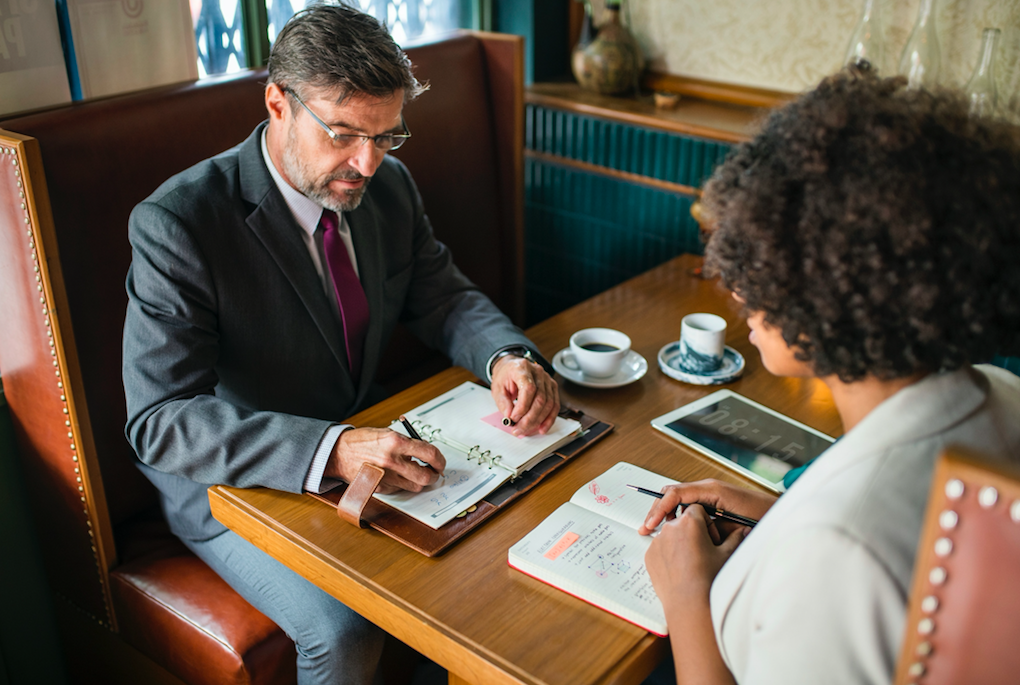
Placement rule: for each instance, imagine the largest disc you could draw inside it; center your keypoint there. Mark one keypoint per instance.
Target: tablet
(752, 439)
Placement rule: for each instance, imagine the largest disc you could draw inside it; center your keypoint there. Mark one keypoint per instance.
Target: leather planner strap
(358, 493)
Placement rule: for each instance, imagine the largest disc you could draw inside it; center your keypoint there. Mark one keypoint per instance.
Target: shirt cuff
(314, 482)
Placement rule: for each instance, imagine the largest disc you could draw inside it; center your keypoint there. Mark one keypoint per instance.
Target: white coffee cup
(597, 352)
(702, 342)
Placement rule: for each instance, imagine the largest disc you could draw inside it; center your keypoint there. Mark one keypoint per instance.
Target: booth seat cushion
(174, 608)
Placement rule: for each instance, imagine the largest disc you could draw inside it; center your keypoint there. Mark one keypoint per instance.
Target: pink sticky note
(496, 421)
(560, 547)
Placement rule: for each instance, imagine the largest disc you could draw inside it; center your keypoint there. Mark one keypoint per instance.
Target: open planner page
(609, 495)
(463, 483)
(468, 415)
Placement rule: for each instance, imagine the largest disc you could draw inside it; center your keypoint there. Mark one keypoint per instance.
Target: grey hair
(340, 49)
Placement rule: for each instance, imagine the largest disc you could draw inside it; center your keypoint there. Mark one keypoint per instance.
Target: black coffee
(599, 347)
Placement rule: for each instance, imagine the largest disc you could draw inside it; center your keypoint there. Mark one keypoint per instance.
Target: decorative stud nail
(943, 546)
(916, 669)
(948, 519)
(1014, 511)
(929, 604)
(988, 496)
(924, 648)
(937, 575)
(926, 626)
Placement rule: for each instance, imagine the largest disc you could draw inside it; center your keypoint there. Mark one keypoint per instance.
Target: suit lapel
(275, 227)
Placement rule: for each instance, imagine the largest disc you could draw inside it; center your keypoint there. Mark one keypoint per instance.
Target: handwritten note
(462, 485)
(593, 557)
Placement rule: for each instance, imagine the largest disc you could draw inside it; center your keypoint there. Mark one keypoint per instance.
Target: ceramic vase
(612, 62)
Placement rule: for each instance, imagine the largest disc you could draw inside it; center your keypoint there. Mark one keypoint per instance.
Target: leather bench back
(100, 158)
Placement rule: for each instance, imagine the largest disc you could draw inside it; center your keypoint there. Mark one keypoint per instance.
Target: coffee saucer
(634, 366)
(732, 367)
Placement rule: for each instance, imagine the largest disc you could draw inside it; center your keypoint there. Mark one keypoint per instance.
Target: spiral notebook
(481, 452)
(516, 470)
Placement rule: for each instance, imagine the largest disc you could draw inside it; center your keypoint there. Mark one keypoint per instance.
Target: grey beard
(319, 192)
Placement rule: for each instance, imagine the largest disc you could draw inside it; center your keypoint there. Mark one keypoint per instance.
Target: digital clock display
(764, 443)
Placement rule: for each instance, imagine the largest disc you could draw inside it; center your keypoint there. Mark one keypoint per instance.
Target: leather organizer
(363, 510)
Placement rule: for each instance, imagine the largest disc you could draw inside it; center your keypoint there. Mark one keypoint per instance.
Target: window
(220, 34)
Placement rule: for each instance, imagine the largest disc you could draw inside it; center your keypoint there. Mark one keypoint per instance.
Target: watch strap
(523, 352)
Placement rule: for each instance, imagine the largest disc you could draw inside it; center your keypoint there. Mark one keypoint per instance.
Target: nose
(367, 158)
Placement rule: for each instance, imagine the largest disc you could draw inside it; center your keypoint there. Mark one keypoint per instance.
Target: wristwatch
(523, 352)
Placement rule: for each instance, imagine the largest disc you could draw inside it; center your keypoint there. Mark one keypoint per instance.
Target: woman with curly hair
(872, 235)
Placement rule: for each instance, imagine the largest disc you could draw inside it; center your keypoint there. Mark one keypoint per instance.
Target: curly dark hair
(877, 227)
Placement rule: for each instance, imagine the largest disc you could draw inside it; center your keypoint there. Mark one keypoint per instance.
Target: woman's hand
(731, 498)
(683, 559)
(682, 562)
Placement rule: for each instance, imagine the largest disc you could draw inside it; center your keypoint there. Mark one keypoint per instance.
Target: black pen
(414, 435)
(709, 509)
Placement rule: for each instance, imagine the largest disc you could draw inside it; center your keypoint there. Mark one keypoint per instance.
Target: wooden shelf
(720, 121)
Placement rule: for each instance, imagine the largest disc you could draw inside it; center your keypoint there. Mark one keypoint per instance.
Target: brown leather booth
(962, 619)
(69, 177)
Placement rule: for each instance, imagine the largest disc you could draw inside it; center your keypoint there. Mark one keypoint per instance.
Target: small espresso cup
(702, 342)
(597, 352)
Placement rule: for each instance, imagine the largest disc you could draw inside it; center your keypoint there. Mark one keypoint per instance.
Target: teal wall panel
(623, 147)
(585, 231)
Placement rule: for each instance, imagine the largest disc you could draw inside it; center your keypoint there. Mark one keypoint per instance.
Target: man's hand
(525, 394)
(731, 498)
(392, 451)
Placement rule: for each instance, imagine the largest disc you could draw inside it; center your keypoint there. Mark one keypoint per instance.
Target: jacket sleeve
(176, 423)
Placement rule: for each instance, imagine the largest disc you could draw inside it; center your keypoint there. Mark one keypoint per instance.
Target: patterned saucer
(732, 367)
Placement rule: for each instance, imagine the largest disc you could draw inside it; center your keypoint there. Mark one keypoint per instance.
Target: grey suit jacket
(234, 360)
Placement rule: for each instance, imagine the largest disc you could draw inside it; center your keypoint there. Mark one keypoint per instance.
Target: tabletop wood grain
(467, 609)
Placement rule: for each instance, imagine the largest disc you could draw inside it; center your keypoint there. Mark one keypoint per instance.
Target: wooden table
(468, 610)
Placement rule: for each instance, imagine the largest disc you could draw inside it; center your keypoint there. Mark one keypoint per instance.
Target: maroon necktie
(349, 293)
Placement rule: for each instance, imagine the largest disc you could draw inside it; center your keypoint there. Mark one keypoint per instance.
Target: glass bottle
(920, 59)
(981, 90)
(866, 40)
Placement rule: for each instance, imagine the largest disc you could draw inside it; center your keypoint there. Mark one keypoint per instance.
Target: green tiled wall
(586, 232)
(656, 154)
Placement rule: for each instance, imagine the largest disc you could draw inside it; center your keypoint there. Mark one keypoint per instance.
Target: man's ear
(276, 103)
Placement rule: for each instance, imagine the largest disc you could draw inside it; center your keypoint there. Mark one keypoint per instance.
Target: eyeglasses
(384, 142)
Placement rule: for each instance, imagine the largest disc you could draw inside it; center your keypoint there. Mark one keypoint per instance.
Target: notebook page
(466, 415)
(462, 484)
(609, 496)
(595, 559)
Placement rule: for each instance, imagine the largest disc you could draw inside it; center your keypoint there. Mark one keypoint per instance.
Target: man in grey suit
(263, 286)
